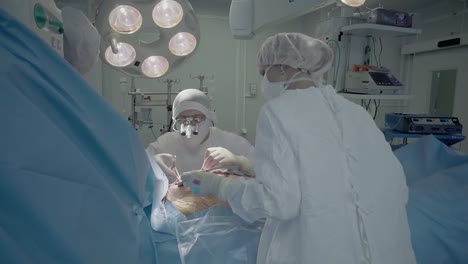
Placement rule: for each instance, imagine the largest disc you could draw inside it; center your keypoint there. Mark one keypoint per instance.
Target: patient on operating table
(188, 203)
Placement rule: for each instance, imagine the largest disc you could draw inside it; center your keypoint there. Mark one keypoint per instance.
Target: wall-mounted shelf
(375, 96)
(379, 30)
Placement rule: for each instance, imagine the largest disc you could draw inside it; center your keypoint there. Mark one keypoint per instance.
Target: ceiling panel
(403, 5)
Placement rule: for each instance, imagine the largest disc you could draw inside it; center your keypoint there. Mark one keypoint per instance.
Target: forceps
(174, 168)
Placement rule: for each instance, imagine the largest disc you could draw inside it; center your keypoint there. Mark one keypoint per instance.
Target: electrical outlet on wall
(251, 91)
(123, 84)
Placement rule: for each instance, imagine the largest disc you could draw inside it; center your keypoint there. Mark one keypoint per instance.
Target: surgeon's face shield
(188, 124)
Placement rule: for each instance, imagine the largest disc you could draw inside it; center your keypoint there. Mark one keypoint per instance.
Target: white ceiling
(404, 5)
(221, 7)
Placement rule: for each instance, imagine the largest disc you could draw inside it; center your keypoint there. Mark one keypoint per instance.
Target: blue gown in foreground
(73, 173)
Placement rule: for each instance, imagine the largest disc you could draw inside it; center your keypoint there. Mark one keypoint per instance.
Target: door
(439, 85)
(443, 92)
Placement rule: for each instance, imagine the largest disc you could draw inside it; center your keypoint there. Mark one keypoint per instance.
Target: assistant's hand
(204, 183)
(166, 163)
(219, 157)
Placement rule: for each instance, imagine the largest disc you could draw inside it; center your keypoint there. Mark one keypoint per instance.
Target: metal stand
(169, 83)
(201, 78)
(134, 93)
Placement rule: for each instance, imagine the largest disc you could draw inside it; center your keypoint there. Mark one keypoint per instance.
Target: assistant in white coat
(326, 180)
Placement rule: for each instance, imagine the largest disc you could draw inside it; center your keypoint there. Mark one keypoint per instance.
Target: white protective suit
(190, 153)
(326, 180)
(346, 191)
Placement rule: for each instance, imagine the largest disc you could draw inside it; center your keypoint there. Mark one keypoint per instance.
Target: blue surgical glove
(204, 183)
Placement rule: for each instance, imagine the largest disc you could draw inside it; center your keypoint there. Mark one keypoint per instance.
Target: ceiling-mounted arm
(246, 17)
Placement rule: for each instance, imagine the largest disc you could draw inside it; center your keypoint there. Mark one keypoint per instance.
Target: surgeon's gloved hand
(166, 162)
(204, 183)
(219, 157)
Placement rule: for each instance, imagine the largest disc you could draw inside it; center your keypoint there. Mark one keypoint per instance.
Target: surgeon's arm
(275, 192)
(165, 161)
(153, 148)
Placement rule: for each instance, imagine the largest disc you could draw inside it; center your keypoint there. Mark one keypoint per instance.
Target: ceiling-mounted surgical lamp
(147, 38)
(353, 3)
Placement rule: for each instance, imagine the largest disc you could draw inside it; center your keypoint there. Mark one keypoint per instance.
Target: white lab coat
(189, 159)
(327, 182)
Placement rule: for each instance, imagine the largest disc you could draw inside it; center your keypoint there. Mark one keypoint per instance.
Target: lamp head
(147, 38)
(353, 3)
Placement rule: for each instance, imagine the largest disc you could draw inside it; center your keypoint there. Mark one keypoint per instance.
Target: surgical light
(146, 38)
(125, 55)
(155, 66)
(182, 44)
(167, 14)
(353, 3)
(125, 19)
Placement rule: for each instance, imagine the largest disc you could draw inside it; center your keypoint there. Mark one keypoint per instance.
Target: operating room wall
(443, 19)
(325, 24)
(229, 64)
(440, 21)
(94, 76)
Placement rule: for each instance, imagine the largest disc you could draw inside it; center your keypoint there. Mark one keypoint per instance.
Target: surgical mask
(272, 90)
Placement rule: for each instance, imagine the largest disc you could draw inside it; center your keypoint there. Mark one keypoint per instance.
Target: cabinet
(367, 30)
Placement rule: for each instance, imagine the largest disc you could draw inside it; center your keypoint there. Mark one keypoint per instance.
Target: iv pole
(169, 83)
(201, 78)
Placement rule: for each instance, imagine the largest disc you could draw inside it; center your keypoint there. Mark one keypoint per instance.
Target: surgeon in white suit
(326, 180)
(210, 148)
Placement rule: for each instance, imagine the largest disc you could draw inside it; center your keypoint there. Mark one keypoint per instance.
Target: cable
(375, 54)
(359, 11)
(152, 131)
(396, 124)
(368, 105)
(170, 126)
(367, 55)
(376, 108)
(381, 49)
(370, 53)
